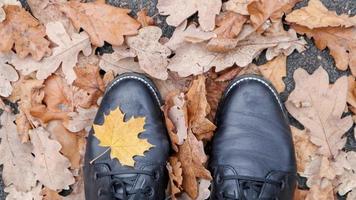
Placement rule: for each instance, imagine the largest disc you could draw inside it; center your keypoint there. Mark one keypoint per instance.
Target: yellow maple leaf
(122, 137)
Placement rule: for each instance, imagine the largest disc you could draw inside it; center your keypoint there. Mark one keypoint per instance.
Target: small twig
(96, 158)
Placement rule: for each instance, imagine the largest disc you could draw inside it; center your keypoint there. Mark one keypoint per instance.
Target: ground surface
(310, 59)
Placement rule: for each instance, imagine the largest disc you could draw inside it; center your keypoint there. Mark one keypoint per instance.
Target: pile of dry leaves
(50, 70)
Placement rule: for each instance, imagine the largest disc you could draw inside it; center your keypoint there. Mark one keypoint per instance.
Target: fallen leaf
(191, 155)
(33, 194)
(348, 179)
(120, 61)
(204, 192)
(316, 15)
(319, 107)
(144, 19)
(351, 195)
(16, 157)
(237, 6)
(65, 54)
(207, 10)
(300, 194)
(72, 143)
(194, 59)
(7, 75)
(261, 10)
(174, 168)
(188, 34)
(103, 23)
(319, 170)
(121, 137)
(198, 109)
(173, 83)
(49, 194)
(304, 149)
(50, 167)
(152, 56)
(323, 191)
(341, 43)
(176, 117)
(351, 94)
(81, 120)
(47, 11)
(23, 33)
(274, 71)
(89, 80)
(6, 2)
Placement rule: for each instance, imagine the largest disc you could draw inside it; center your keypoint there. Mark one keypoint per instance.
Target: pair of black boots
(252, 154)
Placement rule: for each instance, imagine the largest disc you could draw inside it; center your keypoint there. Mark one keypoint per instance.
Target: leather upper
(136, 96)
(253, 139)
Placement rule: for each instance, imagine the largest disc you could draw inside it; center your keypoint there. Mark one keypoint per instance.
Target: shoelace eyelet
(156, 175)
(219, 180)
(150, 192)
(95, 176)
(100, 192)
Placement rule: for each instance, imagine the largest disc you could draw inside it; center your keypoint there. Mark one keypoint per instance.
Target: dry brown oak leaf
(152, 55)
(103, 23)
(188, 34)
(80, 120)
(33, 194)
(7, 75)
(274, 71)
(50, 166)
(198, 110)
(341, 43)
(194, 59)
(72, 143)
(16, 157)
(180, 10)
(191, 155)
(144, 19)
(6, 2)
(89, 80)
(261, 10)
(351, 94)
(237, 6)
(23, 33)
(316, 15)
(120, 61)
(65, 54)
(348, 179)
(319, 107)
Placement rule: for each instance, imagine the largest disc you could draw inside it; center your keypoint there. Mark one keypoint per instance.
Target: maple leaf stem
(96, 158)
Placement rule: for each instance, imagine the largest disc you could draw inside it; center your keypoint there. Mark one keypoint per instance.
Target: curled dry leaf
(323, 191)
(65, 54)
(23, 33)
(191, 155)
(198, 109)
(81, 120)
(103, 23)
(274, 71)
(341, 43)
(261, 10)
(7, 75)
(152, 56)
(322, 116)
(176, 117)
(174, 168)
(348, 179)
(50, 167)
(120, 61)
(72, 143)
(188, 34)
(89, 80)
(16, 157)
(173, 83)
(144, 19)
(49, 194)
(207, 10)
(33, 194)
(316, 15)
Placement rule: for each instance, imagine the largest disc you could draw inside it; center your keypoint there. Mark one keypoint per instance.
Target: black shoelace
(247, 182)
(122, 183)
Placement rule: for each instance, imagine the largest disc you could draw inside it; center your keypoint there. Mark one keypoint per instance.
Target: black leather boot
(252, 153)
(106, 178)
